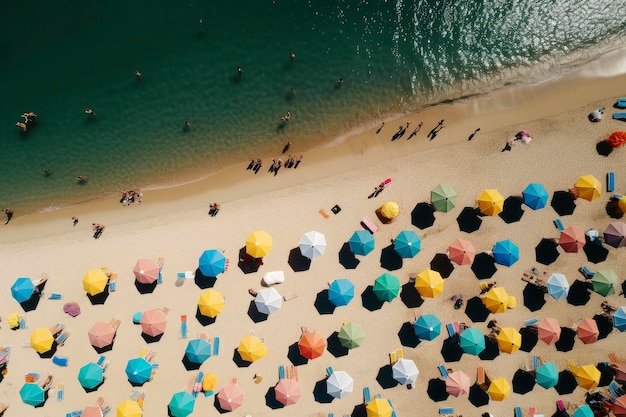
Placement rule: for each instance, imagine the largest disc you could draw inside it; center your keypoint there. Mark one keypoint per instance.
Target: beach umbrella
(258, 244)
(587, 331)
(621, 203)
(312, 244)
(462, 252)
(572, 239)
(619, 319)
(407, 244)
(230, 397)
(386, 287)
(209, 382)
(22, 289)
(129, 408)
(13, 320)
(339, 384)
(138, 370)
(153, 322)
(472, 341)
(288, 391)
(427, 327)
(505, 252)
(604, 282)
(615, 234)
(101, 334)
(181, 404)
(212, 263)
(583, 411)
(468, 220)
(587, 376)
(390, 210)
(92, 411)
(523, 382)
(251, 348)
(405, 371)
(535, 196)
(547, 375)
(429, 283)
(619, 407)
(509, 340)
(457, 383)
(548, 330)
(146, 271)
(546, 251)
(211, 303)
(361, 242)
(311, 345)
(558, 287)
(90, 375)
(198, 350)
(588, 187)
(341, 292)
(484, 265)
(268, 300)
(490, 202)
(41, 340)
(443, 197)
(379, 407)
(32, 394)
(351, 335)
(95, 281)
(497, 300)
(499, 389)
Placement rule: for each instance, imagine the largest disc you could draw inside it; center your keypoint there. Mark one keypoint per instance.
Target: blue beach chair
(367, 397)
(216, 345)
(610, 182)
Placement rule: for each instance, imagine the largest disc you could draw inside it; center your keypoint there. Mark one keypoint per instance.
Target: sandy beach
(173, 224)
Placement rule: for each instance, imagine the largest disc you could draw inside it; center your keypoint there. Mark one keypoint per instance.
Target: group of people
(291, 162)
(214, 208)
(97, 230)
(29, 117)
(131, 196)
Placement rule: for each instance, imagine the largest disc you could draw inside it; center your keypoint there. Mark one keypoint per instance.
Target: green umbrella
(351, 335)
(547, 375)
(604, 282)
(181, 404)
(386, 287)
(443, 197)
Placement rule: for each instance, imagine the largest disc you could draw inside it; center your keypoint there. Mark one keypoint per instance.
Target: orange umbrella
(230, 397)
(588, 331)
(101, 334)
(572, 239)
(92, 411)
(490, 202)
(619, 407)
(153, 322)
(462, 252)
(617, 139)
(311, 345)
(288, 391)
(146, 271)
(549, 330)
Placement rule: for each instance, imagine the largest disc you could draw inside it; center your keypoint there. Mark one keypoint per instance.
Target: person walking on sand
(415, 131)
(472, 135)
(9, 214)
(298, 161)
(380, 128)
(286, 147)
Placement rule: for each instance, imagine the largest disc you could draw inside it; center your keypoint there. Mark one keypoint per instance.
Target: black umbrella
(579, 293)
(533, 297)
(491, 350)
(437, 390)
(512, 211)
(529, 339)
(605, 325)
(478, 396)
(595, 252)
(484, 265)
(567, 383)
(546, 251)
(567, 340)
(606, 373)
(441, 263)
(523, 382)
(423, 216)
(563, 203)
(451, 350)
(476, 310)
(469, 221)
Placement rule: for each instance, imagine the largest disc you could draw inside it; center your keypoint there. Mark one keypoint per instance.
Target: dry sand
(174, 224)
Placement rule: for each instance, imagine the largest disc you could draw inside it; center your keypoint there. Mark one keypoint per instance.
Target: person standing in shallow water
(9, 214)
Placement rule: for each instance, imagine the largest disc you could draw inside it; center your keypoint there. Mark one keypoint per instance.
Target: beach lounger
(393, 410)
(324, 214)
(531, 322)
(281, 372)
(60, 392)
(329, 371)
(450, 329)
(532, 411)
(367, 398)
(22, 322)
(443, 371)
(290, 296)
(368, 224)
(615, 389)
(619, 116)
(610, 182)
(60, 360)
(331, 415)
(559, 405)
(399, 353)
(488, 377)
(559, 224)
(113, 282)
(536, 362)
(55, 296)
(620, 103)
(31, 377)
(183, 326)
(62, 338)
(216, 345)
(518, 411)
(197, 386)
(480, 377)
(587, 273)
(446, 410)
(160, 263)
(392, 357)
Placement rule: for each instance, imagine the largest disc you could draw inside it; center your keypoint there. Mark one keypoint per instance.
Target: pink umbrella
(572, 239)
(620, 373)
(457, 383)
(549, 330)
(230, 397)
(153, 322)
(101, 334)
(462, 252)
(288, 391)
(588, 331)
(146, 271)
(92, 411)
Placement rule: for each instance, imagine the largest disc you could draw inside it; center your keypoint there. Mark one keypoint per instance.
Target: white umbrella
(312, 244)
(339, 384)
(405, 371)
(268, 300)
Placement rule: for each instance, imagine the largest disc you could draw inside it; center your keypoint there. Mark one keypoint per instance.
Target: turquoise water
(58, 58)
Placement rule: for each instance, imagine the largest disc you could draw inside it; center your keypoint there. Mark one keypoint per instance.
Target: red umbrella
(311, 345)
(146, 271)
(462, 252)
(230, 397)
(153, 322)
(457, 383)
(549, 330)
(288, 391)
(588, 331)
(101, 334)
(619, 407)
(572, 239)
(620, 373)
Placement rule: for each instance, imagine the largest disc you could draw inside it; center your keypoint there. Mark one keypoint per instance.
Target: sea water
(58, 58)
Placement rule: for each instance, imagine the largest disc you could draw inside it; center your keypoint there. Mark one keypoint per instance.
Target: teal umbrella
(138, 371)
(90, 376)
(386, 287)
(341, 292)
(505, 252)
(22, 289)
(32, 394)
(604, 282)
(181, 404)
(547, 375)
(472, 341)
(407, 244)
(361, 242)
(535, 196)
(583, 411)
(427, 327)
(198, 350)
(443, 197)
(212, 263)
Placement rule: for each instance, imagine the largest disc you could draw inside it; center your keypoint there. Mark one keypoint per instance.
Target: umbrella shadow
(99, 299)
(579, 293)
(606, 374)
(320, 392)
(359, 410)
(297, 261)
(334, 346)
(512, 211)
(204, 320)
(32, 303)
(423, 216)
(523, 382)
(476, 310)
(385, 377)
(46, 395)
(50, 353)
(255, 314)
(410, 296)
(442, 264)
(218, 407)
(469, 220)
(94, 389)
(137, 384)
(247, 264)
(529, 339)
(407, 335)
(546, 251)
(567, 383)
(347, 258)
(484, 265)
(202, 281)
(239, 361)
(437, 390)
(389, 259)
(604, 148)
(189, 365)
(451, 351)
(271, 401)
(613, 210)
(151, 339)
(477, 396)
(605, 325)
(563, 203)
(595, 252)
(322, 303)
(145, 288)
(566, 340)
(370, 301)
(534, 297)
(294, 355)
(491, 350)
(103, 349)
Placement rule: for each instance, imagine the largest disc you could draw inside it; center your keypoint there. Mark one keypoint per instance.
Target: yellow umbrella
(14, 320)
(209, 382)
(429, 283)
(509, 339)
(622, 203)
(499, 389)
(588, 187)
(211, 303)
(251, 348)
(95, 281)
(390, 210)
(41, 340)
(490, 202)
(587, 376)
(379, 407)
(258, 244)
(129, 408)
(497, 300)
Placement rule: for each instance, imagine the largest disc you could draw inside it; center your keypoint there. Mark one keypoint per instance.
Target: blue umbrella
(212, 263)
(407, 244)
(619, 319)
(198, 350)
(341, 292)
(32, 394)
(22, 289)
(90, 375)
(547, 375)
(181, 404)
(138, 370)
(535, 196)
(558, 287)
(505, 252)
(361, 242)
(472, 341)
(427, 327)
